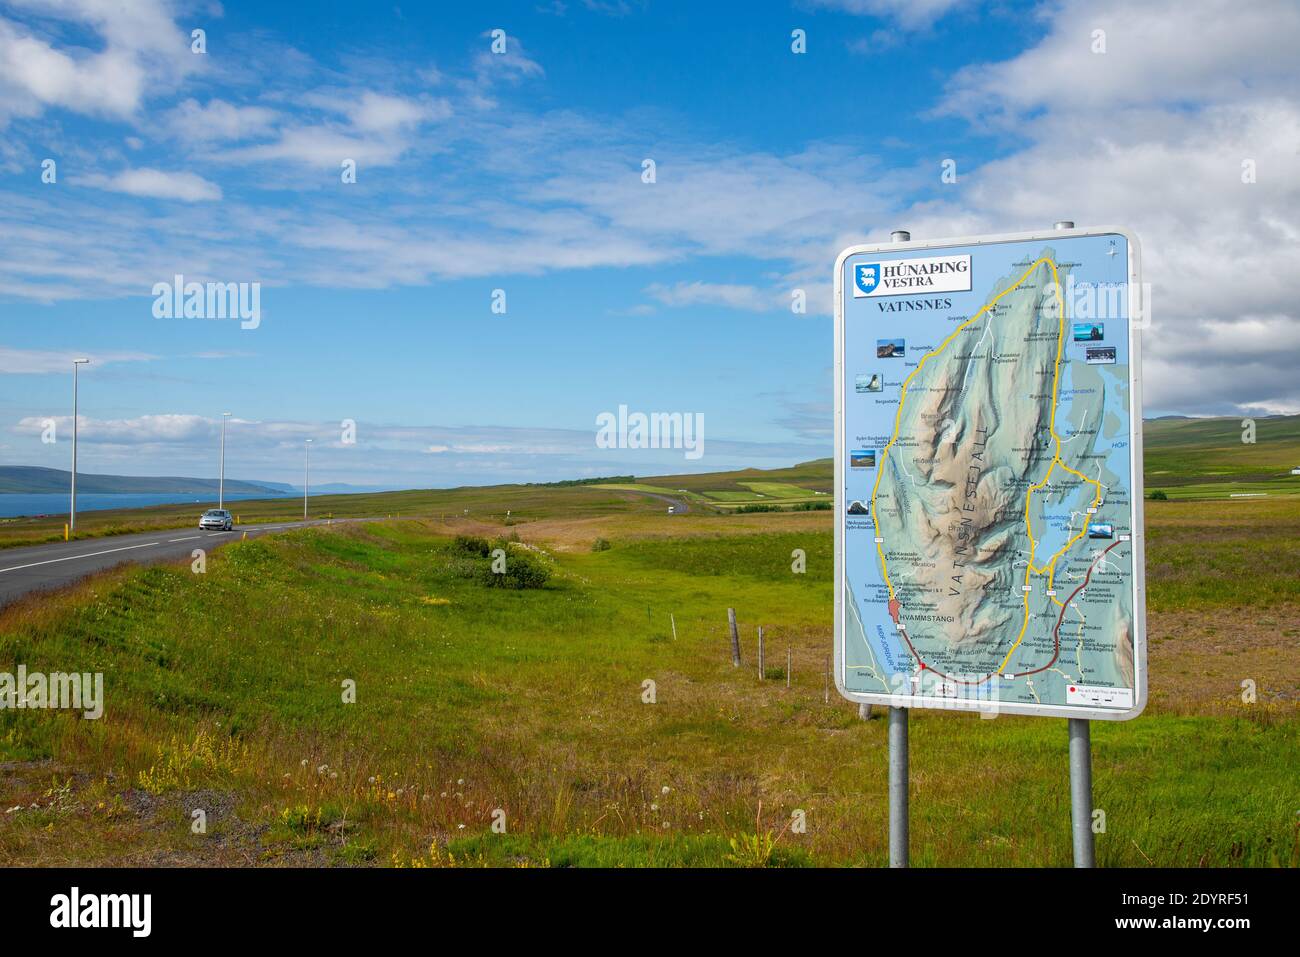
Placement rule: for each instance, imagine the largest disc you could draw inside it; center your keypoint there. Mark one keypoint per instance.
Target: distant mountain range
(33, 480)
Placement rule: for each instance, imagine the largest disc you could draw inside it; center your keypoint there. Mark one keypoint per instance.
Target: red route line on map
(1056, 635)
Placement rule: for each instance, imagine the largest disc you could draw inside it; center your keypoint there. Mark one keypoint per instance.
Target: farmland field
(226, 693)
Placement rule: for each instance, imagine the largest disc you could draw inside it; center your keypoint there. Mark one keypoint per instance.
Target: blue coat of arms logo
(866, 276)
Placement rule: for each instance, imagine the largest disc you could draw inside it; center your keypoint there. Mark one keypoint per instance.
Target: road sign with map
(988, 466)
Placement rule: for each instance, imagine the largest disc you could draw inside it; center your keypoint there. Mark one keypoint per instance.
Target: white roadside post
(72, 509)
(1080, 731)
(221, 480)
(306, 482)
(899, 843)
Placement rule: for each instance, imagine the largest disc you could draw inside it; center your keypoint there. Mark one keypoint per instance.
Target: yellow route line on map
(1050, 567)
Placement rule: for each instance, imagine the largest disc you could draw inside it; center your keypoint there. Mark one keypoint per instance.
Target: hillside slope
(32, 479)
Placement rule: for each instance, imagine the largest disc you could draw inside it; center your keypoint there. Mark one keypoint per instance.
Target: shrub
(523, 570)
(600, 545)
(471, 545)
(1159, 495)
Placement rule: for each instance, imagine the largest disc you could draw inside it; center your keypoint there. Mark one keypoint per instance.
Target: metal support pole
(1081, 791)
(306, 479)
(898, 752)
(1080, 763)
(898, 813)
(72, 509)
(72, 506)
(221, 472)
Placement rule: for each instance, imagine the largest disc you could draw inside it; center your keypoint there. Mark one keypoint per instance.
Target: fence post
(735, 638)
(760, 653)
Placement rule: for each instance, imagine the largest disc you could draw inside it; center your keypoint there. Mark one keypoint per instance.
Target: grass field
(523, 502)
(225, 693)
(1208, 457)
(1185, 459)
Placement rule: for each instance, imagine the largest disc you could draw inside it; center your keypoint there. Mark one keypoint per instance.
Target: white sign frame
(1138, 313)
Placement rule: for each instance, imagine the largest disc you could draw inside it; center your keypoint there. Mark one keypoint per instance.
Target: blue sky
(522, 172)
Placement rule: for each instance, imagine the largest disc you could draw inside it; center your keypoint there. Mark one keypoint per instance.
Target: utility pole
(306, 483)
(72, 510)
(221, 481)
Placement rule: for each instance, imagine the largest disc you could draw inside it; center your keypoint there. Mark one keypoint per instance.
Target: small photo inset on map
(1089, 331)
(1099, 355)
(1101, 530)
(890, 348)
(869, 383)
(857, 508)
(862, 459)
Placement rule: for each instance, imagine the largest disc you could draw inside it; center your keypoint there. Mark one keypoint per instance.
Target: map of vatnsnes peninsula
(988, 514)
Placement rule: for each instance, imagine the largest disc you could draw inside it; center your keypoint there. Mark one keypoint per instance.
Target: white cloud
(143, 430)
(418, 455)
(219, 121)
(142, 50)
(156, 184)
(512, 66)
(732, 296)
(378, 130)
(40, 361)
(908, 14)
(1157, 52)
(1153, 135)
(379, 113)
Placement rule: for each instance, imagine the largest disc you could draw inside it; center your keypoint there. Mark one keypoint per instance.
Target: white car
(218, 519)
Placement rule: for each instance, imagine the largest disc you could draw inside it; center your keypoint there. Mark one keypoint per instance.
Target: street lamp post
(72, 510)
(306, 483)
(221, 481)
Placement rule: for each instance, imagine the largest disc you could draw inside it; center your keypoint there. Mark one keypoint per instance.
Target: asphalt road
(680, 505)
(42, 567)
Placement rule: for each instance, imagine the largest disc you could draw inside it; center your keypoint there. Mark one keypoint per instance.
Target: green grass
(1244, 555)
(1230, 492)
(1193, 452)
(780, 490)
(818, 475)
(525, 503)
(227, 688)
(768, 492)
(730, 495)
(758, 557)
(1188, 459)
